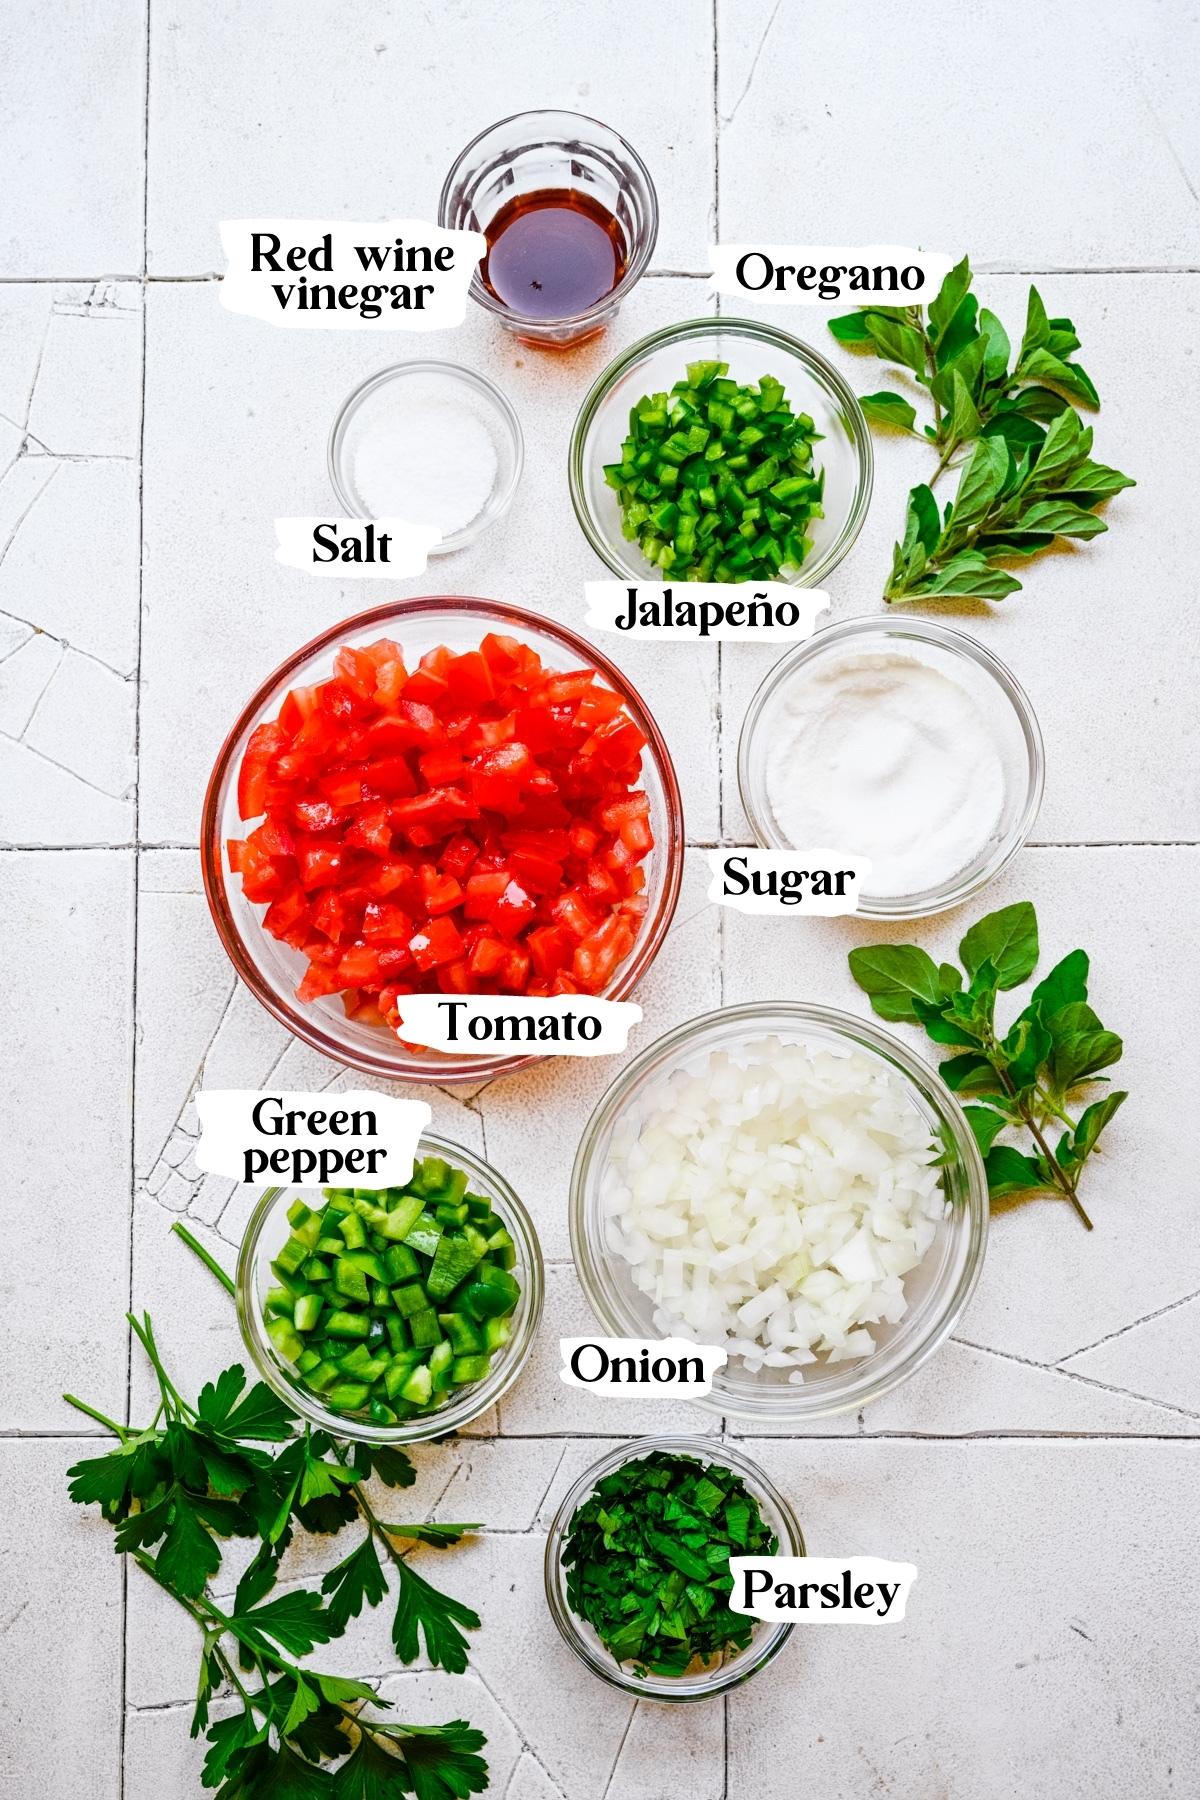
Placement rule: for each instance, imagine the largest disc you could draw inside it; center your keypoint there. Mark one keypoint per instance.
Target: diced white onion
(774, 1201)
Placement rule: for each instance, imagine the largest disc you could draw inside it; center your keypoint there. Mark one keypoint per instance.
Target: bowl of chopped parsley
(637, 1566)
(721, 450)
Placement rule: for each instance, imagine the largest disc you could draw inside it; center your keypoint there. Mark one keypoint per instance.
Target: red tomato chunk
(474, 826)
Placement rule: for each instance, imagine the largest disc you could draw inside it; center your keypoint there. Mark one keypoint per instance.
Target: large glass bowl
(726, 1672)
(272, 970)
(268, 1229)
(752, 350)
(1002, 705)
(937, 1290)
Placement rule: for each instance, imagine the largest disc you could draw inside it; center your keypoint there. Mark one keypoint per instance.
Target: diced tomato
(383, 920)
(359, 967)
(357, 669)
(436, 812)
(488, 956)
(287, 917)
(391, 775)
(437, 942)
(499, 775)
(262, 875)
(472, 826)
(320, 864)
(372, 829)
(266, 741)
(483, 891)
(513, 910)
(442, 765)
(314, 815)
(469, 679)
(319, 981)
(425, 687)
(458, 856)
(296, 707)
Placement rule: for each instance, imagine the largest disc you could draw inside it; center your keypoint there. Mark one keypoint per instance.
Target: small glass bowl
(272, 970)
(267, 1230)
(1017, 735)
(728, 1671)
(937, 1289)
(460, 392)
(752, 350)
(534, 150)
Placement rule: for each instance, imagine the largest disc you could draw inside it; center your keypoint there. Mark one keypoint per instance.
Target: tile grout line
(215, 275)
(137, 872)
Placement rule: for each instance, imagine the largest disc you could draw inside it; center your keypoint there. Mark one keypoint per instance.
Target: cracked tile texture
(1042, 1470)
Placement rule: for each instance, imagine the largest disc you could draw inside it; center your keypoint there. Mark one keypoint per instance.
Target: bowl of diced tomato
(446, 795)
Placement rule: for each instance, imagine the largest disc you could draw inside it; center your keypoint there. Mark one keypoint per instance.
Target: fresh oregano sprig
(1027, 476)
(1023, 1080)
(199, 1473)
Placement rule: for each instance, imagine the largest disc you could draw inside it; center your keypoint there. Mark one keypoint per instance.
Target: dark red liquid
(553, 253)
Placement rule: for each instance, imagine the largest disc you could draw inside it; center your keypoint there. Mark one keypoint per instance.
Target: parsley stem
(121, 1431)
(210, 1262)
(144, 1333)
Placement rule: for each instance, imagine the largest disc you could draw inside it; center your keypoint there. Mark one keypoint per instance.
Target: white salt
(430, 464)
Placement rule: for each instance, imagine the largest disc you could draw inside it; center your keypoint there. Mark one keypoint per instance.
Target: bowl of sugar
(429, 442)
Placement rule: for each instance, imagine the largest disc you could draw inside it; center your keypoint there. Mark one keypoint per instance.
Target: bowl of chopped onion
(791, 1184)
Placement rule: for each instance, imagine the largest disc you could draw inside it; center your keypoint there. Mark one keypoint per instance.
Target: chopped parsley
(647, 1560)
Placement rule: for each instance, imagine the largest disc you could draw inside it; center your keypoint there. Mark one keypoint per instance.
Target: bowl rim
(637, 265)
(475, 1399)
(502, 406)
(824, 372)
(780, 1404)
(723, 1676)
(309, 1029)
(957, 644)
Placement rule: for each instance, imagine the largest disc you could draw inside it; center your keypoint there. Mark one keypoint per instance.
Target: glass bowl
(1001, 700)
(272, 970)
(470, 403)
(265, 1233)
(937, 1289)
(751, 350)
(728, 1671)
(540, 150)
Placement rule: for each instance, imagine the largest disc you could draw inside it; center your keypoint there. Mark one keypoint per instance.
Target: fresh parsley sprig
(1028, 478)
(319, 1483)
(197, 1474)
(1023, 1079)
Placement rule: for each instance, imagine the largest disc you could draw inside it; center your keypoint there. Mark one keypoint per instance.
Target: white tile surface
(72, 123)
(420, 82)
(62, 1623)
(1053, 151)
(67, 1091)
(1053, 1442)
(1032, 1658)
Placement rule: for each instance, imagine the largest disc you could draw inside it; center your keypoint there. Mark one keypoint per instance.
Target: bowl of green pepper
(392, 1315)
(721, 450)
(637, 1566)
